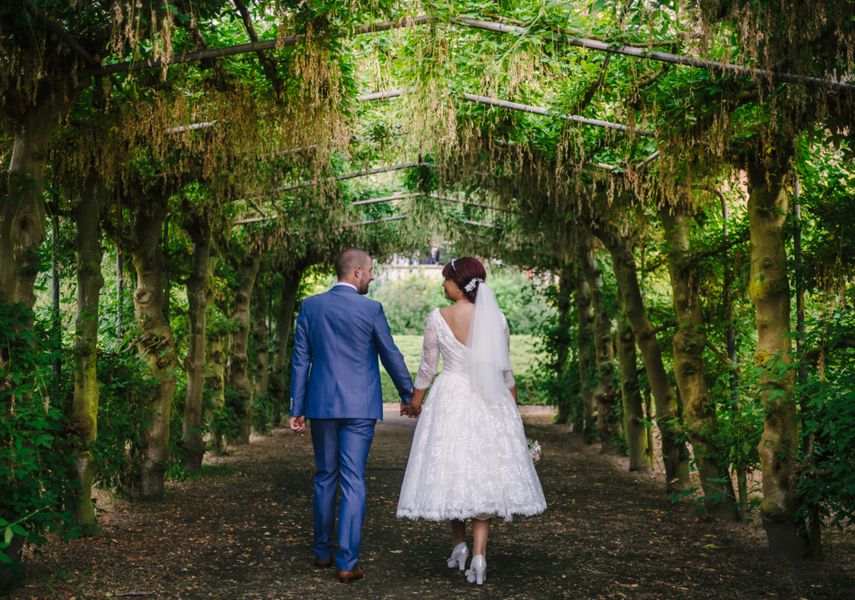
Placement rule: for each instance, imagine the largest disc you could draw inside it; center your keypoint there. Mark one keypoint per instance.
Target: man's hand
(298, 424)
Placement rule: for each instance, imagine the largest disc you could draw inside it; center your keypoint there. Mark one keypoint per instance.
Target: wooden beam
(521, 107)
(191, 127)
(291, 40)
(638, 166)
(453, 200)
(365, 173)
(548, 113)
(479, 224)
(591, 44)
(364, 97)
(381, 95)
(383, 199)
(375, 221)
(354, 224)
(666, 57)
(252, 220)
(448, 199)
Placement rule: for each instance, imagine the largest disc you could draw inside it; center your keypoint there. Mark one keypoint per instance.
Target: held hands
(298, 424)
(411, 410)
(414, 408)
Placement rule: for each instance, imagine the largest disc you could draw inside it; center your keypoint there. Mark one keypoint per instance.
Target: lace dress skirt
(469, 457)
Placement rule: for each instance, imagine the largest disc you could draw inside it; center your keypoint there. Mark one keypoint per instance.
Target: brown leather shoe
(351, 576)
(323, 564)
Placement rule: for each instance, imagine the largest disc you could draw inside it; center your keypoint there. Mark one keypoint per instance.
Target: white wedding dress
(469, 456)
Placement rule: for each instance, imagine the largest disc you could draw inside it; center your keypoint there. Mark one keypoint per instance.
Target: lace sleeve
(509, 374)
(430, 356)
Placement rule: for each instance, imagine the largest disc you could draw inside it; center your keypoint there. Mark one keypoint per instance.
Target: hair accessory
(452, 264)
(472, 283)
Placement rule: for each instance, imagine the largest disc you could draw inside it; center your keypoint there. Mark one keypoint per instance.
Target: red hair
(462, 271)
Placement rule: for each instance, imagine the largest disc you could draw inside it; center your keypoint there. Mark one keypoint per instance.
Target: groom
(335, 383)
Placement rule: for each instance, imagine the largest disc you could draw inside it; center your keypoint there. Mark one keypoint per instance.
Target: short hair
(348, 260)
(462, 271)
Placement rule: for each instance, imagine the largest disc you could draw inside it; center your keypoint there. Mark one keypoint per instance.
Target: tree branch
(60, 32)
(592, 89)
(846, 341)
(266, 64)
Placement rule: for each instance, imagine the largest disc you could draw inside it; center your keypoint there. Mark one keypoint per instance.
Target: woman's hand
(414, 408)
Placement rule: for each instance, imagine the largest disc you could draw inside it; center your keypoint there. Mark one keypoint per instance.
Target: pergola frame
(581, 42)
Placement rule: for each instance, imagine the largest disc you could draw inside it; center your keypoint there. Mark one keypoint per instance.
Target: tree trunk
(197, 299)
(587, 354)
(284, 324)
(604, 393)
(261, 350)
(215, 381)
(238, 379)
(699, 413)
(805, 411)
(56, 312)
(674, 451)
(566, 400)
(730, 340)
(640, 454)
(770, 293)
(22, 209)
(156, 343)
(120, 290)
(83, 417)
(22, 215)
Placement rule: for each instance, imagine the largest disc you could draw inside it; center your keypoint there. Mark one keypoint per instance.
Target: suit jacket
(334, 370)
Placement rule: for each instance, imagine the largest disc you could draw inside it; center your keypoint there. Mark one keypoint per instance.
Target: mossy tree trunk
(567, 412)
(699, 414)
(730, 340)
(83, 411)
(640, 453)
(284, 324)
(192, 444)
(587, 355)
(674, 451)
(769, 291)
(239, 384)
(215, 375)
(261, 348)
(604, 393)
(156, 341)
(22, 214)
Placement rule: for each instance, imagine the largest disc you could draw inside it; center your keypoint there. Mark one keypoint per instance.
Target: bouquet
(534, 450)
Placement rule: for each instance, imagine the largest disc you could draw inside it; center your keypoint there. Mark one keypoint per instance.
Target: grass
(523, 358)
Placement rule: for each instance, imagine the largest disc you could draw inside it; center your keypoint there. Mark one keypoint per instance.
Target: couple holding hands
(469, 457)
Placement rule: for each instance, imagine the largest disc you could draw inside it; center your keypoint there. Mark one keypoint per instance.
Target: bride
(469, 458)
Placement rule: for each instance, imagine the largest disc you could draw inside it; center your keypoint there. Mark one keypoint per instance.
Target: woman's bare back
(458, 316)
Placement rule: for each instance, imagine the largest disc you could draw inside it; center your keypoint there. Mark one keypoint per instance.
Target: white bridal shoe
(458, 556)
(477, 571)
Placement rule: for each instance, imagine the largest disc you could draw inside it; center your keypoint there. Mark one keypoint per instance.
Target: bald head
(348, 260)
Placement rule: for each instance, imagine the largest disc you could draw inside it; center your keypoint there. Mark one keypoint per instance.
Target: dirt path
(244, 531)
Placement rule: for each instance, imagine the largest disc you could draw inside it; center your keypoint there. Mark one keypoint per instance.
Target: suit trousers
(341, 451)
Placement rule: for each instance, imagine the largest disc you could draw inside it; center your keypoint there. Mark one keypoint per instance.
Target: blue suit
(335, 382)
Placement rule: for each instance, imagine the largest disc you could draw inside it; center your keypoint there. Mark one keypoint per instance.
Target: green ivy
(33, 465)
